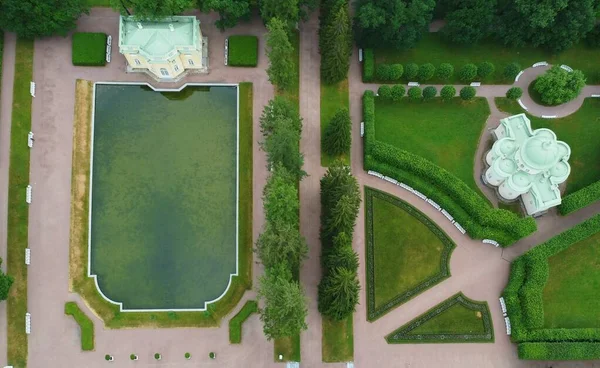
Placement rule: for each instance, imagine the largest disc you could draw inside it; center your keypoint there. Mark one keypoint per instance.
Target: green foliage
(558, 86)
(230, 11)
(277, 110)
(445, 71)
(384, 91)
(397, 92)
(280, 52)
(368, 65)
(514, 93)
(340, 256)
(467, 93)
(383, 72)
(559, 350)
(5, 282)
(335, 39)
(429, 92)
(414, 93)
(338, 293)
(411, 70)
(580, 199)
(396, 71)
(469, 21)
(593, 38)
(485, 69)
(447, 92)
(426, 72)
(338, 136)
(40, 18)
(468, 72)
(287, 11)
(152, 9)
(243, 51)
(235, 324)
(89, 49)
(85, 325)
(512, 70)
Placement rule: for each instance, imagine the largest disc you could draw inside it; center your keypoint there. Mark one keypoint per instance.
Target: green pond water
(163, 230)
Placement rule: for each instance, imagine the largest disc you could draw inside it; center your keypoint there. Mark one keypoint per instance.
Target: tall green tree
(338, 293)
(230, 11)
(152, 9)
(5, 283)
(336, 47)
(342, 217)
(558, 86)
(277, 110)
(469, 21)
(337, 137)
(280, 52)
(281, 197)
(282, 148)
(285, 10)
(40, 18)
(281, 243)
(336, 183)
(285, 306)
(391, 23)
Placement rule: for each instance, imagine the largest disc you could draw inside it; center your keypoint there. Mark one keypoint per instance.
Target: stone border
(401, 336)
(372, 312)
(237, 193)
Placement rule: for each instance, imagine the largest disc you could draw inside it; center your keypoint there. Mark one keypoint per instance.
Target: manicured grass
(80, 283)
(88, 49)
(289, 347)
(406, 252)
(235, 324)
(457, 319)
(581, 131)
(433, 49)
(445, 133)
(333, 97)
(242, 51)
(85, 324)
(572, 291)
(18, 210)
(338, 340)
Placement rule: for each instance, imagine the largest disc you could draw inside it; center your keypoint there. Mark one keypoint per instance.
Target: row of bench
(506, 319)
(108, 48)
(226, 51)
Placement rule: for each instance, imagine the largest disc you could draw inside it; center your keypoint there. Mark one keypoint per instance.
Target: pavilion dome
(541, 153)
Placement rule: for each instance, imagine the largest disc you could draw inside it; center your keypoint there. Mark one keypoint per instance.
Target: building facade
(166, 49)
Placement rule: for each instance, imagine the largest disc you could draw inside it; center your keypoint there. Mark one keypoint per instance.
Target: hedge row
(88, 49)
(579, 199)
(468, 208)
(368, 65)
(559, 350)
(243, 51)
(235, 324)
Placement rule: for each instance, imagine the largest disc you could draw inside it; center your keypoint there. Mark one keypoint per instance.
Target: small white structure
(32, 89)
(27, 256)
(28, 194)
(27, 323)
(30, 139)
(527, 163)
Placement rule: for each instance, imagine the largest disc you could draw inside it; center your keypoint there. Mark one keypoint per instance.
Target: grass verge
(333, 97)
(85, 324)
(235, 324)
(85, 286)
(18, 210)
(88, 49)
(289, 347)
(338, 340)
(243, 51)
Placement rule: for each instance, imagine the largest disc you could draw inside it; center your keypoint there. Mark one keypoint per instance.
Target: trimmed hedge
(88, 49)
(235, 324)
(85, 324)
(243, 51)
(559, 350)
(368, 65)
(580, 199)
(467, 207)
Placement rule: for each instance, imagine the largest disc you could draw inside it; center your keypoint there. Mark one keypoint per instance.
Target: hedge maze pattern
(372, 312)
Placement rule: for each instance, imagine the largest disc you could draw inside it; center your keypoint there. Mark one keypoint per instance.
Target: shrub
(411, 70)
(511, 70)
(368, 65)
(593, 38)
(338, 136)
(188, 355)
(447, 92)
(485, 69)
(397, 92)
(414, 93)
(467, 93)
(514, 93)
(383, 72)
(396, 71)
(157, 356)
(468, 72)
(426, 72)
(384, 91)
(580, 199)
(558, 86)
(445, 71)
(212, 355)
(559, 350)
(429, 92)
(89, 49)
(85, 325)
(242, 51)
(235, 324)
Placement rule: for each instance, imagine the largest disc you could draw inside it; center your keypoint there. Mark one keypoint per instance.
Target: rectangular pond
(163, 198)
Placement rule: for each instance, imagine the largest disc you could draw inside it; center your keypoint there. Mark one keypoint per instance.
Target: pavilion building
(526, 163)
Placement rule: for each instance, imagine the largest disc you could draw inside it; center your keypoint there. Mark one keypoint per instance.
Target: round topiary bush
(414, 93)
(396, 71)
(511, 70)
(384, 92)
(157, 356)
(445, 71)
(212, 355)
(514, 93)
(133, 357)
(188, 356)
(397, 92)
(429, 92)
(411, 70)
(447, 92)
(558, 86)
(485, 69)
(468, 72)
(108, 358)
(467, 93)
(383, 72)
(426, 72)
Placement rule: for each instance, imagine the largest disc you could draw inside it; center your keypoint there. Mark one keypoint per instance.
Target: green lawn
(572, 291)
(455, 320)
(333, 97)
(406, 255)
(432, 49)
(445, 133)
(85, 324)
(338, 340)
(235, 324)
(289, 347)
(580, 130)
(18, 210)
(242, 51)
(88, 49)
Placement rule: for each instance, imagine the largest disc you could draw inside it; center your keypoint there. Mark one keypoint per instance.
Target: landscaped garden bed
(242, 51)
(86, 325)
(235, 324)
(457, 319)
(89, 49)
(406, 252)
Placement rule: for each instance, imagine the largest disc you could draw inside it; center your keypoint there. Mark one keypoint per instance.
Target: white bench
(507, 323)
(27, 323)
(548, 116)
(566, 67)
(476, 84)
(390, 180)
(413, 84)
(490, 241)
(447, 215)
(32, 89)
(362, 129)
(595, 96)
(28, 194)
(420, 195)
(503, 306)
(226, 51)
(541, 63)
(109, 40)
(519, 75)
(409, 188)
(30, 139)
(523, 106)
(434, 204)
(108, 51)
(27, 256)
(360, 55)
(460, 228)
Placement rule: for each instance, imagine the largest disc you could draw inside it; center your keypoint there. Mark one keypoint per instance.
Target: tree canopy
(558, 86)
(5, 282)
(280, 52)
(152, 9)
(231, 11)
(469, 21)
(336, 46)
